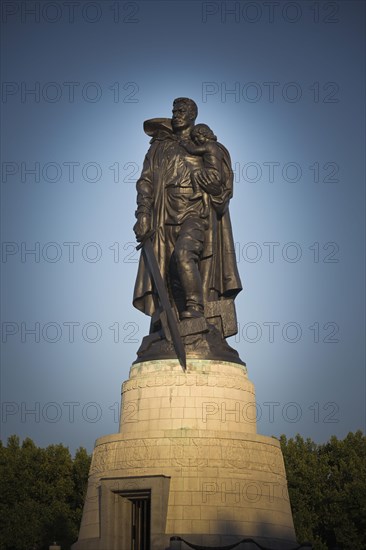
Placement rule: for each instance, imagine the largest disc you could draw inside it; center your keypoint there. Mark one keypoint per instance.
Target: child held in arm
(204, 144)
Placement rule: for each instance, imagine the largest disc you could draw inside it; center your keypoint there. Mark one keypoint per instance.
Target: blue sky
(283, 88)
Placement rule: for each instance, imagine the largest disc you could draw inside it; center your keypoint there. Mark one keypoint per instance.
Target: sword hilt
(147, 236)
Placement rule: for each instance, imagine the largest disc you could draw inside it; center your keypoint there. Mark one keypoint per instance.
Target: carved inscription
(187, 452)
(103, 458)
(176, 380)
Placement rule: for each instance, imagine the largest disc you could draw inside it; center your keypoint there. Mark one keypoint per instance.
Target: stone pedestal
(188, 454)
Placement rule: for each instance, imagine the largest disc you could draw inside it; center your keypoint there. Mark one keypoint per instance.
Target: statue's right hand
(142, 227)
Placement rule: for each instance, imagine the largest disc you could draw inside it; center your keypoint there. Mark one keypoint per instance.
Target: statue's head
(202, 133)
(184, 113)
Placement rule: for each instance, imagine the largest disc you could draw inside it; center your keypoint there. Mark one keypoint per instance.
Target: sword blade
(154, 269)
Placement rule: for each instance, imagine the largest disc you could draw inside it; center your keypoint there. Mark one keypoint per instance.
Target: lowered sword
(153, 266)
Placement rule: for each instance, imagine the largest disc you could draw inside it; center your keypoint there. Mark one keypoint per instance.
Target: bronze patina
(183, 196)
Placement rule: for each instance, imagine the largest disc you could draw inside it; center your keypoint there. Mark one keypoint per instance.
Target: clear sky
(282, 84)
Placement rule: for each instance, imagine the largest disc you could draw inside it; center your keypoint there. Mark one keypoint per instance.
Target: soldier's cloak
(218, 266)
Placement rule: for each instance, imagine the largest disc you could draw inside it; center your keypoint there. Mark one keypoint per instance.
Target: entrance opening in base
(140, 518)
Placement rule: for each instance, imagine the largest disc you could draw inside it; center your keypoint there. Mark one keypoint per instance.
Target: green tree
(345, 517)
(20, 508)
(81, 466)
(56, 492)
(327, 488)
(306, 478)
(41, 494)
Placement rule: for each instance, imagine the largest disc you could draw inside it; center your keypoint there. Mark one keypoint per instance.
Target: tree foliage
(327, 488)
(42, 491)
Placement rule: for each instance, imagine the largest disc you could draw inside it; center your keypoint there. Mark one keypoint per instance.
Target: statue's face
(198, 138)
(182, 117)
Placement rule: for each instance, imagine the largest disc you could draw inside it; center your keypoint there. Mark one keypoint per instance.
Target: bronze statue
(183, 196)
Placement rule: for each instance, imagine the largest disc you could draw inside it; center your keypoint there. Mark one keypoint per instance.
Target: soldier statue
(183, 196)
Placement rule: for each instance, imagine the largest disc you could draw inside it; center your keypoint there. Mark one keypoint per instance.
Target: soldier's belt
(180, 190)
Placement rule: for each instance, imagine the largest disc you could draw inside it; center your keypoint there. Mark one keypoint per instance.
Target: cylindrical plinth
(209, 395)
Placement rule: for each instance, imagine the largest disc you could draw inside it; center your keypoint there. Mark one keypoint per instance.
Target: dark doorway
(140, 518)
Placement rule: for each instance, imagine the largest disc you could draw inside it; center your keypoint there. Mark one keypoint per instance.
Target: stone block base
(190, 465)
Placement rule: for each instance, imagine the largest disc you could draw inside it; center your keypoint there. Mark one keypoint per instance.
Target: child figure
(204, 144)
